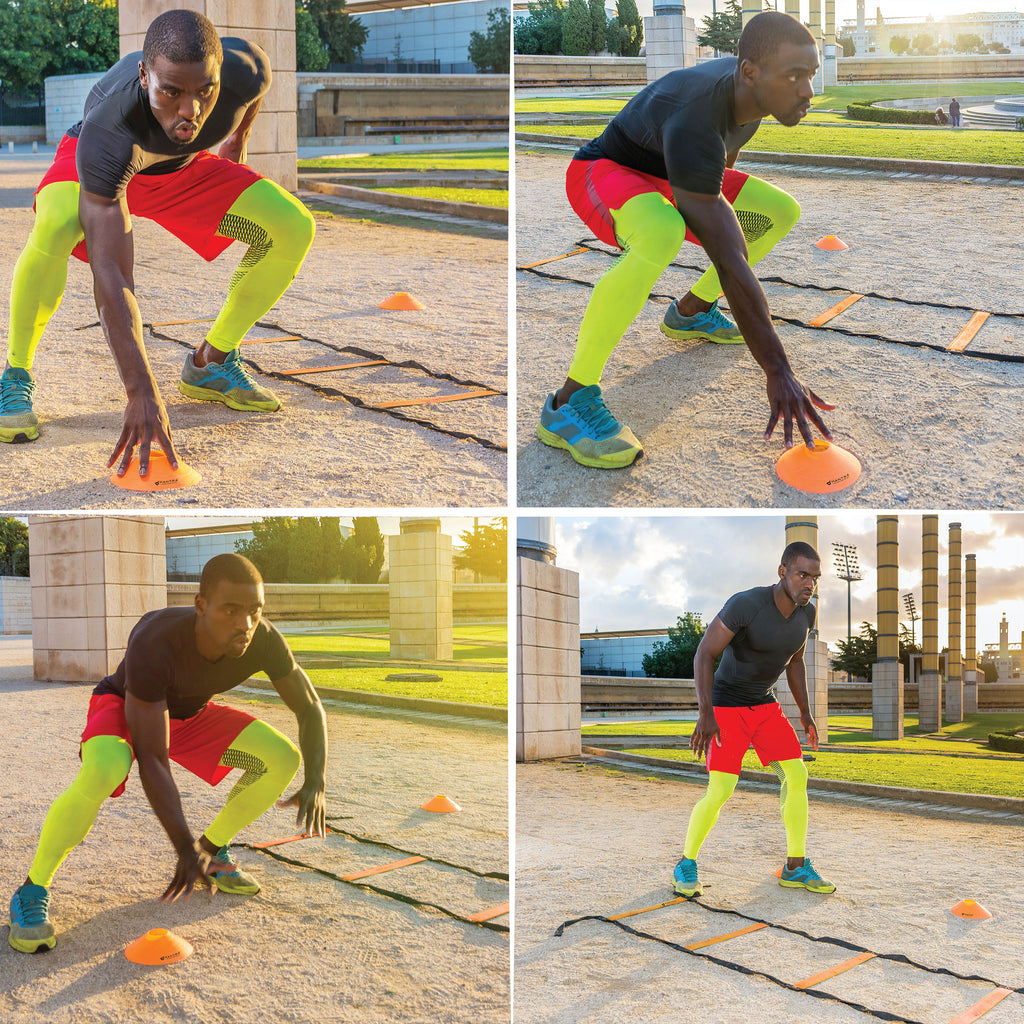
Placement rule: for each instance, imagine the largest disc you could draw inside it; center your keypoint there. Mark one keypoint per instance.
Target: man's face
(800, 578)
(181, 96)
(228, 616)
(782, 84)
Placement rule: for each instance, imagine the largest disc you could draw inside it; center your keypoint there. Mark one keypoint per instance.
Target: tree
(268, 549)
(673, 658)
(969, 42)
(848, 45)
(923, 42)
(576, 29)
(362, 554)
(541, 32)
(341, 35)
(485, 549)
(899, 44)
(598, 26)
(632, 25)
(13, 547)
(304, 551)
(490, 53)
(722, 30)
(310, 52)
(331, 545)
(859, 654)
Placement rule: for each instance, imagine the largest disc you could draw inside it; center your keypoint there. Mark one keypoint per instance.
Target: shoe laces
(34, 909)
(717, 316)
(595, 415)
(234, 369)
(16, 394)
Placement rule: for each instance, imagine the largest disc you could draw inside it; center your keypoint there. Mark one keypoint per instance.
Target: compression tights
(793, 797)
(275, 226)
(268, 761)
(651, 232)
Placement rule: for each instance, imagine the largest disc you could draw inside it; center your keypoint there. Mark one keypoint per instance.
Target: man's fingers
(164, 439)
(144, 458)
(820, 403)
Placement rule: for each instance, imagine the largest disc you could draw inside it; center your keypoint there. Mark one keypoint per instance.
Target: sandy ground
(932, 429)
(590, 840)
(317, 449)
(307, 948)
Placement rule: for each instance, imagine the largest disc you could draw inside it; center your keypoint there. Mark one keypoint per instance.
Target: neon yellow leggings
(651, 231)
(268, 761)
(275, 226)
(793, 799)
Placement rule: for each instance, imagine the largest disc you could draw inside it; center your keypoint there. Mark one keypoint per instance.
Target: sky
(642, 572)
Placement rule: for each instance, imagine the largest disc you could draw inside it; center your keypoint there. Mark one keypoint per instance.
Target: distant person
(940, 117)
(663, 170)
(954, 112)
(760, 634)
(155, 708)
(140, 150)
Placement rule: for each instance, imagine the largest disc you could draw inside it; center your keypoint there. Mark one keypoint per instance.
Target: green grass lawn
(444, 160)
(480, 196)
(456, 685)
(471, 643)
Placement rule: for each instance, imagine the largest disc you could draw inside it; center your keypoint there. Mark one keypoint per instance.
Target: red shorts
(597, 187)
(189, 203)
(197, 743)
(763, 727)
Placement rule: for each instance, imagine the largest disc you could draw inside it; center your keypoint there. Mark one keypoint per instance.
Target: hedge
(1007, 740)
(889, 115)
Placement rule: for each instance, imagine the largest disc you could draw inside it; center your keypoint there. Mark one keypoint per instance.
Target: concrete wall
(65, 102)
(15, 604)
(542, 70)
(958, 68)
(439, 32)
(353, 602)
(22, 133)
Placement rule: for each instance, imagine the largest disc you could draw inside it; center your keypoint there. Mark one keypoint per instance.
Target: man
(759, 633)
(155, 708)
(661, 171)
(140, 150)
(954, 113)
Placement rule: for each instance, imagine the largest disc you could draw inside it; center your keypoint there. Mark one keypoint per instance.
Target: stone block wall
(420, 593)
(15, 605)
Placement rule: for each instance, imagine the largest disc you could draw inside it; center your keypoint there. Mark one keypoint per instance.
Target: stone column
(970, 639)
(670, 39)
(954, 667)
(930, 687)
(93, 578)
(271, 25)
(829, 64)
(751, 8)
(548, 650)
(793, 8)
(420, 591)
(887, 673)
(814, 26)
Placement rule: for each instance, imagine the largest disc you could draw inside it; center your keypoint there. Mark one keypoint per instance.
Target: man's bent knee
(57, 227)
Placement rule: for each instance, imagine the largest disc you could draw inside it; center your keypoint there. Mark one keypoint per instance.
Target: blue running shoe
(588, 431)
(31, 930)
(805, 877)
(228, 382)
(17, 420)
(684, 878)
(236, 881)
(712, 325)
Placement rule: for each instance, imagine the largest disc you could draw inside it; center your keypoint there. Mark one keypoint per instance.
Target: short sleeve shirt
(119, 137)
(680, 128)
(763, 644)
(162, 662)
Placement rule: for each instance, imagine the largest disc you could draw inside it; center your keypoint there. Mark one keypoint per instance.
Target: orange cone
(831, 242)
(160, 476)
(826, 469)
(440, 805)
(971, 910)
(158, 946)
(401, 300)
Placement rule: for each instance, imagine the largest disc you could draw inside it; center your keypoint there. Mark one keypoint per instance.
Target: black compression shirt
(680, 127)
(119, 137)
(763, 645)
(163, 663)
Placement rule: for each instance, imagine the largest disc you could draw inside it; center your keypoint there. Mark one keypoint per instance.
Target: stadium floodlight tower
(908, 603)
(847, 569)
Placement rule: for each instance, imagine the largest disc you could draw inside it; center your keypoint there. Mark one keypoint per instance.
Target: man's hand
(810, 730)
(790, 400)
(704, 732)
(145, 422)
(312, 805)
(193, 868)
(233, 148)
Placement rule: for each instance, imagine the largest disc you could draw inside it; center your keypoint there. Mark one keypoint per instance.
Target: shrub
(1007, 740)
(889, 115)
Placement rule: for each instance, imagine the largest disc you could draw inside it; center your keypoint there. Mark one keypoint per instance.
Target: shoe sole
(208, 395)
(617, 461)
(33, 945)
(810, 888)
(687, 892)
(671, 332)
(249, 890)
(18, 435)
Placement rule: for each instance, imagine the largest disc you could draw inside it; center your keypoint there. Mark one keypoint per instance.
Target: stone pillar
(548, 656)
(670, 39)
(93, 578)
(829, 64)
(954, 667)
(814, 27)
(970, 638)
(930, 687)
(887, 673)
(793, 8)
(420, 591)
(271, 25)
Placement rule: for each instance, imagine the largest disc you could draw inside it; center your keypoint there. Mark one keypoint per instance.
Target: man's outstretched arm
(297, 692)
(713, 221)
(108, 236)
(233, 148)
